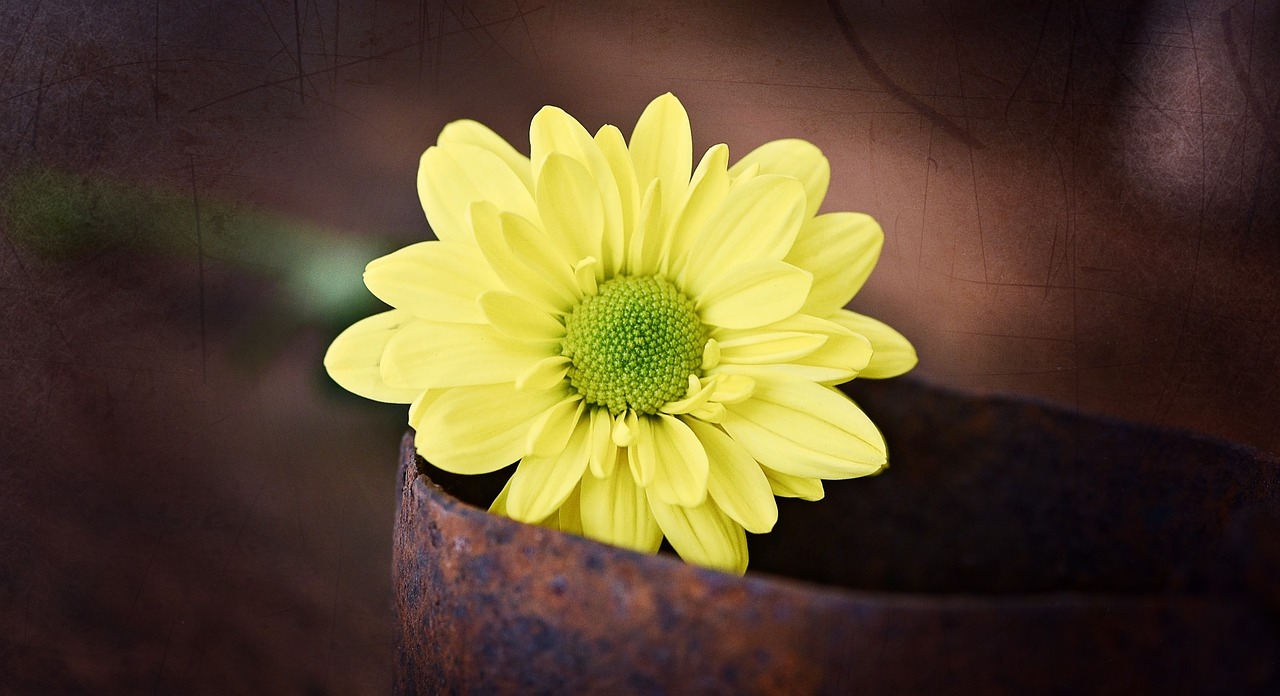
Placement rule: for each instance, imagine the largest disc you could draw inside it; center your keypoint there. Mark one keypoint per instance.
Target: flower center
(633, 344)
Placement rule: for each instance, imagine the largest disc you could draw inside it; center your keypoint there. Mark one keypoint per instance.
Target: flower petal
(642, 471)
(569, 203)
(645, 250)
(427, 354)
(754, 294)
(893, 354)
(541, 483)
(796, 371)
(795, 158)
(479, 429)
(555, 132)
(677, 458)
(614, 148)
(453, 176)
(424, 400)
(615, 510)
(703, 535)
(528, 271)
(758, 220)
(838, 359)
(544, 374)
(697, 211)
(468, 132)
(760, 347)
(788, 486)
(735, 482)
(695, 399)
(353, 359)
(499, 504)
(604, 454)
(519, 318)
(662, 147)
(433, 280)
(550, 434)
(569, 520)
(552, 521)
(807, 430)
(839, 249)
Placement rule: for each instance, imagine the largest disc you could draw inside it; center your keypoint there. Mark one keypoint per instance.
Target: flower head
(655, 344)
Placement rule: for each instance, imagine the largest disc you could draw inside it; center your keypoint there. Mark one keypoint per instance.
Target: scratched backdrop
(1080, 203)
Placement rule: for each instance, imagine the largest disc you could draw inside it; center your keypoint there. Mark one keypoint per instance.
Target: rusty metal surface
(1012, 548)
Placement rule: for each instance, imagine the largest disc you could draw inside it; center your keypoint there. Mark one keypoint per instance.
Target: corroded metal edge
(488, 605)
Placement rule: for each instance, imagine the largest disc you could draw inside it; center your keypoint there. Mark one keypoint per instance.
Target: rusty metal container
(1011, 548)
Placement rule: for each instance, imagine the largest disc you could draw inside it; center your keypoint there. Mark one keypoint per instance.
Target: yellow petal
(555, 132)
(544, 374)
(519, 318)
(754, 294)
(703, 535)
(451, 177)
(795, 158)
(697, 212)
(476, 430)
(569, 519)
(354, 358)
(433, 280)
(711, 412)
(818, 374)
(760, 347)
(710, 354)
(731, 389)
(499, 504)
(604, 453)
(541, 483)
(643, 469)
(420, 404)
(585, 273)
(735, 481)
(670, 449)
(499, 507)
(807, 430)
(614, 148)
(430, 355)
(758, 220)
(788, 486)
(837, 359)
(614, 510)
(569, 203)
(546, 258)
(662, 148)
(550, 434)
(700, 392)
(625, 426)
(551, 286)
(893, 354)
(645, 250)
(839, 249)
(467, 132)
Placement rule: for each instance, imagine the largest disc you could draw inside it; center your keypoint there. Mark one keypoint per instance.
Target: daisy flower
(654, 344)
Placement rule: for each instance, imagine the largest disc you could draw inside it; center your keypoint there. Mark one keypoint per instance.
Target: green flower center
(633, 344)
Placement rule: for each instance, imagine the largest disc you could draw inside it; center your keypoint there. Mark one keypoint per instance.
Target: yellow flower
(656, 347)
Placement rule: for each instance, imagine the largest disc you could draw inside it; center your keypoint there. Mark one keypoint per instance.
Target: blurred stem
(319, 271)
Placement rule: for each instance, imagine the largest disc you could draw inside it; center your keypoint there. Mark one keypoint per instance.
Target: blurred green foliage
(317, 272)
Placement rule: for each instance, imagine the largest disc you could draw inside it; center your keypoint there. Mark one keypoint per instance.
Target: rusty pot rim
(418, 484)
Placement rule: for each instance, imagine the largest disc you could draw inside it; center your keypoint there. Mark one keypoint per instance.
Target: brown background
(1080, 203)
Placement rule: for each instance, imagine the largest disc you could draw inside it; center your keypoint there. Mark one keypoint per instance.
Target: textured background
(1080, 202)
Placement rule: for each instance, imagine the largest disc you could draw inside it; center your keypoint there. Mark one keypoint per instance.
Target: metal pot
(1012, 547)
